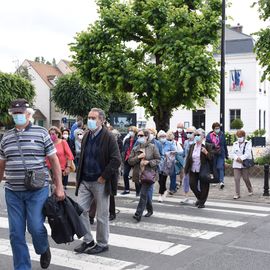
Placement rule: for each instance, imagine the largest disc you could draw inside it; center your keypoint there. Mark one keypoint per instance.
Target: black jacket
(64, 219)
(109, 159)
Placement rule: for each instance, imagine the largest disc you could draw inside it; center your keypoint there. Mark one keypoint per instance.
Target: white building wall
(42, 99)
(249, 100)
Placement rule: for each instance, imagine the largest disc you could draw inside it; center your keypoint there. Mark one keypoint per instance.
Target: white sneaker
(221, 185)
(185, 201)
(160, 198)
(250, 193)
(236, 196)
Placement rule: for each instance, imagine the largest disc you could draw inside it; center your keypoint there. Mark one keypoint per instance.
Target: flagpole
(222, 69)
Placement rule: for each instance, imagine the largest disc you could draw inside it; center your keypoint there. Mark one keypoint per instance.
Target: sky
(33, 28)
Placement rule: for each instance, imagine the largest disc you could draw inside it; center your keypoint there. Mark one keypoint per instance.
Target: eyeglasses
(140, 135)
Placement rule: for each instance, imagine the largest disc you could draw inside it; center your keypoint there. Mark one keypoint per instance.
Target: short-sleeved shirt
(35, 144)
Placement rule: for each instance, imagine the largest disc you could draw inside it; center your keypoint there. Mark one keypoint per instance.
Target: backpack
(167, 165)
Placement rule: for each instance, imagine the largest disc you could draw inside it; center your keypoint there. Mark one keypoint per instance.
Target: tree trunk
(162, 119)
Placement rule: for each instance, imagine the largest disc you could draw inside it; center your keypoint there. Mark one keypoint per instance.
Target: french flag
(237, 81)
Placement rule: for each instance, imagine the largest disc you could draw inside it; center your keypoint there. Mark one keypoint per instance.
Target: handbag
(148, 177)
(33, 179)
(249, 162)
(208, 173)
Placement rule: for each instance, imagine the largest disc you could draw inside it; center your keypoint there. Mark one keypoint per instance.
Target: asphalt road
(225, 235)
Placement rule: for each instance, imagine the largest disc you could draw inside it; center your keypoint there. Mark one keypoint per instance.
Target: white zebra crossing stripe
(167, 229)
(66, 258)
(244, 213)
(236, 212)
(195, 219)
(130, 242)
(235, 205)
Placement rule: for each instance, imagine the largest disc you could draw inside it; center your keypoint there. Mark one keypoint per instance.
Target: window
(235, 113)
(236, 82)
(264, 114)
(260, 119)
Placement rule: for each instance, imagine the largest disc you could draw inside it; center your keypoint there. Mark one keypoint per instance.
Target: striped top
(36, 145)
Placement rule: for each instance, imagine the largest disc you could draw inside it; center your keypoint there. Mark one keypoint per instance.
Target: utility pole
(222, 68)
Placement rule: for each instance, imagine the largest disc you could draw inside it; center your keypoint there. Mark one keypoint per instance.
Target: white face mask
(131, 133)
(240, 139)
(151, 137)
(179, 129)
(65, 136)
(80, 136)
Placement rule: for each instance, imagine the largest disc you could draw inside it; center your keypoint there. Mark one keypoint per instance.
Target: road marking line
(174, 250)
(167, 229)
(196, 219)
(235, 205)
(122, 241)
(215, 210)
(66, 258)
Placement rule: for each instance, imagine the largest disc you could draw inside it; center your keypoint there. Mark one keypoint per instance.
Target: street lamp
(222, 68)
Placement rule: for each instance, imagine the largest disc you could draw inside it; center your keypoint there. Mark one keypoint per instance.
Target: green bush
(259, 132)
(230, 138)
(263, 160)
(237, 123)
(228, 161)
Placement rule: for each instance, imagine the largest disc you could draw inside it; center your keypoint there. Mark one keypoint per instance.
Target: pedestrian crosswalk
(173, 231)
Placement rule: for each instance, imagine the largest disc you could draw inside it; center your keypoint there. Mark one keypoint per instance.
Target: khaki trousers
(237, 176)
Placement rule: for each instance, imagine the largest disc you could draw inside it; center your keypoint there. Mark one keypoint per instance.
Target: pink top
(196, 158)
(63, 153)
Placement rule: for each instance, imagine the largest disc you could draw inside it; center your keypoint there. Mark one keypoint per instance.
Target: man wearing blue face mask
(96, 179)
(23, 150)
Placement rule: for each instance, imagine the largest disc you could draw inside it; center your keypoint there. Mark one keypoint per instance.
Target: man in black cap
(23, 150)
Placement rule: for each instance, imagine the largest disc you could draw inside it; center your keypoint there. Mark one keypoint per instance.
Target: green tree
(13, 87)
(76, 98)
(42, 60)
(159, 50)
(23, 72)
(262, 47)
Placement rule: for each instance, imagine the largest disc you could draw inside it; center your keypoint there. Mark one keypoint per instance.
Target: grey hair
(100, 112)
(30, 111)
(201, 131)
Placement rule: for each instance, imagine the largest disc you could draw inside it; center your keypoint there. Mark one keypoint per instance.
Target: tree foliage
(262, 47)
(156, 49)
(13, 87)
(75, 97)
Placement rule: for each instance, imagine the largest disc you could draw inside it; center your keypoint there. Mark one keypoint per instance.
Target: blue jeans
(25, 207)
(173, 182)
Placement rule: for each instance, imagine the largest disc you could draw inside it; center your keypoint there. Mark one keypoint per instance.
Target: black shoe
(83, 246)
(137, 217)
(45, 259)
(221, 185)
(197, 203)
(112, 217)
(201, 206)
(125, 192)
(92, 220)
(97, 249)
(149, 214)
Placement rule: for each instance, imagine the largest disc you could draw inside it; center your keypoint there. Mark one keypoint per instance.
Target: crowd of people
(187, 157)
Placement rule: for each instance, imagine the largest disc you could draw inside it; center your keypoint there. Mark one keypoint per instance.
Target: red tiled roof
(45, 71)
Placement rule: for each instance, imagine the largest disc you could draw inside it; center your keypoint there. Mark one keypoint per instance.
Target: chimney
(238, 28)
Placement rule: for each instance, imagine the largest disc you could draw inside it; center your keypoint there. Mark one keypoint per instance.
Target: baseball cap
(18, 106)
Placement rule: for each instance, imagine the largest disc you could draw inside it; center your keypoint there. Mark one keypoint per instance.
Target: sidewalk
(214, 193)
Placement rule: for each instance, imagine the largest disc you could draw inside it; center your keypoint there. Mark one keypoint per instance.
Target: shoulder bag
(33, 179)
(248, 162)
(148, 176)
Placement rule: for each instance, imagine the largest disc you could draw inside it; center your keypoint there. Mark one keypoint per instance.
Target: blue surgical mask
(19, 119)
(163, 140)
(197, 138)
(91, 124)
(141, 140)
(189, 135)
(217, 130)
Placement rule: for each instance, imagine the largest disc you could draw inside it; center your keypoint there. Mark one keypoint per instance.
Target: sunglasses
(140, 135)
(79, 134)
(197, 135)
(189, 132)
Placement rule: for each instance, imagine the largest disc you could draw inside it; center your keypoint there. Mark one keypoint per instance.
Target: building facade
(246, 97)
